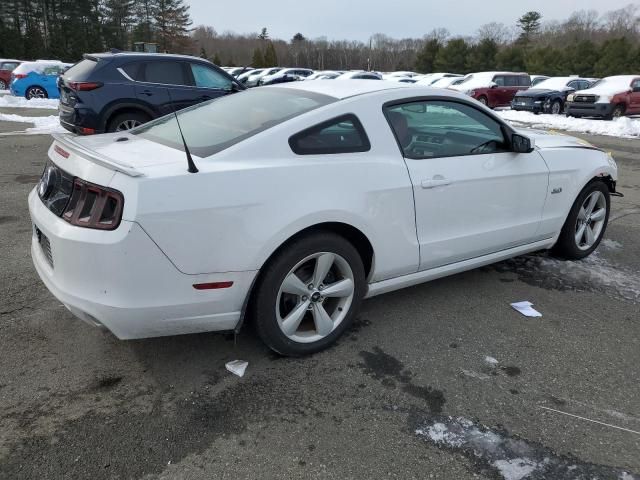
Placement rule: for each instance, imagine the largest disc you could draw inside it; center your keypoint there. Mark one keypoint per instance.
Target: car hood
(537, 92)
(547, 139)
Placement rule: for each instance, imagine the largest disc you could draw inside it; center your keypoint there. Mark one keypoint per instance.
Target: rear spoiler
(69, 142)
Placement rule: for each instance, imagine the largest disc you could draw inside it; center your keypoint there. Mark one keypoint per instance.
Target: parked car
(37, 79)
(385, 186)
(446, 82)
(359, 75)
(109, 92)
(235, 71)
(434, 77)
(494, 89)
(6, 67)
(611, 97)
(243, 77)
(324, 75)
(285, 75)
(254, 78)
(536, 79)
(549, 96)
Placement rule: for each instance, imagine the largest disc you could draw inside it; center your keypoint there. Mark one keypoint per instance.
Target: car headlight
(571, 97)
(538, 101)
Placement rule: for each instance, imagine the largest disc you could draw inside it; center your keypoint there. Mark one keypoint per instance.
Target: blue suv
(111, 92)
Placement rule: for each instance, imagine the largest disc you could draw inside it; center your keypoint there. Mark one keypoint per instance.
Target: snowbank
(42, 125)
(621, 127)
(9, 101)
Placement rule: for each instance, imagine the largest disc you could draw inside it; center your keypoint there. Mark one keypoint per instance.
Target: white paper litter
(526, 309)
(491, 360)
(237, 367)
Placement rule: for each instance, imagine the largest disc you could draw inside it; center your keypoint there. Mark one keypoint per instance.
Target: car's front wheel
(556, 107)
(586, 223)
(36, 92)
(309, 293)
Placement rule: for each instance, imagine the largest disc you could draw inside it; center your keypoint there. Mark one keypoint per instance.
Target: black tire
(136, 117)
(35, 92)
(566, 245)
(556, 107)
(617, 112)
(273, 275)
(484, 100)
(3, 85)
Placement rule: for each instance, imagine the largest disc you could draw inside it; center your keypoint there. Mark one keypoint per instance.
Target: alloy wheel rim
(315, 297)
(555, 108)
(36, 92)
(127, 125)
(3, 86)
(590, 222)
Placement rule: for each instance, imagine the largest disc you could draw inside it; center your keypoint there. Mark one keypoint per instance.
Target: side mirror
(522, 144)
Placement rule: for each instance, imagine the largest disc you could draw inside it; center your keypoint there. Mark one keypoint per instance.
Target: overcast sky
(358, 19)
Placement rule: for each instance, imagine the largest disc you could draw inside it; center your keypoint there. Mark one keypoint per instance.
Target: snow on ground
(9, 101)
(42, 125)
(511, 457)
(621, 127)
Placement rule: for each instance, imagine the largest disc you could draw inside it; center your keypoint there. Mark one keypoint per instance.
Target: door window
(524, 81)
(636, 85)
(206, 77)
(430, 129)
(166, 73)
(499, 80)
(344, 134)
(8, 66)
(133, 70)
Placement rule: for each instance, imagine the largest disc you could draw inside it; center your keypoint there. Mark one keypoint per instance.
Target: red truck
(611, 97)
(494, 89)
(6, 67)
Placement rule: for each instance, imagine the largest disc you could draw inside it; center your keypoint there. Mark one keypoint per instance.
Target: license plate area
(45, 245)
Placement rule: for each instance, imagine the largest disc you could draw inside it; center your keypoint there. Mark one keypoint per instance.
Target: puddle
(496, 453)
(592, 274)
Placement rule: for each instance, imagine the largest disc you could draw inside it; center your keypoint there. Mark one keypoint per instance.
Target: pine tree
(511, 59)
(529, 23)
(216, 59)
(119, 18)
(616, 58)
(452, 57)
(270, 56)
(426, 56)
(482, 57)
(258, 60)
(172, 22)
(264, 35)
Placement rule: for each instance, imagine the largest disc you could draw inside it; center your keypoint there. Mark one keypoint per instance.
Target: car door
(209, 83)
(473, 196)
(498, 94)
(166, 85)
(634, 97)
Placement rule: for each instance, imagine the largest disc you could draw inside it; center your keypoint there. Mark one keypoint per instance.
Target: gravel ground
(78, 403)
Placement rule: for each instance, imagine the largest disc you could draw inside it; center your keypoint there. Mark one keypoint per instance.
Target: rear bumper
(122, 281)
(76, 119)
(589, 110)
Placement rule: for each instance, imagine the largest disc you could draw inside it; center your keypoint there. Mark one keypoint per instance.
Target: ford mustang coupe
(290, 204)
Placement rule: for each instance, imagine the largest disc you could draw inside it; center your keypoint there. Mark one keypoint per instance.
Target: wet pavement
(442, 380)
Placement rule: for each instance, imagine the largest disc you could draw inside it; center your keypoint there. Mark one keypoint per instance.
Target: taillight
(18, 76)
(93, 206)
(83, 86)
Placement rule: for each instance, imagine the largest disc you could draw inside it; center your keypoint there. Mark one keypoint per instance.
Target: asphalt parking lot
(442, 380)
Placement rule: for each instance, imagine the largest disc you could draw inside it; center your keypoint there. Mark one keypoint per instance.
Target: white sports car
(293, 203)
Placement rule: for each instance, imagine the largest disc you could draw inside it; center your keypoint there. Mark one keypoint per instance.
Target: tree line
(586, 43)
(66, 29)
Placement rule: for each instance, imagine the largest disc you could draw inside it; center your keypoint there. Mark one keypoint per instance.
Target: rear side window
(166, 73)
(206, 77)
(499, 80)
(344, 134)
(524, 81)
(81, 70)
(133, 70)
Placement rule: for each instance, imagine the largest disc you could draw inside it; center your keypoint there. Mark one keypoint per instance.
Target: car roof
(352, 88)
(141, 55)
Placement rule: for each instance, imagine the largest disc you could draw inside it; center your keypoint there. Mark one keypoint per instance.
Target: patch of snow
(472, 374)
(516, 469)
(620, 127)
(42, 125)
(491, 360)
(4, 92)
(610, 244)
(9, 101)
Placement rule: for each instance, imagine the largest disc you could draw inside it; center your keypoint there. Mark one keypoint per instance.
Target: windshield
(211, 127)
(557, 83)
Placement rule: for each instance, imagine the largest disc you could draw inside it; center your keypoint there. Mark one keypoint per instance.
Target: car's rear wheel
(556, 107)
(484, 100)
(126, 121)
(3, 85)
(586, 223)
(36, 92)
(308, 294)
(618, 112)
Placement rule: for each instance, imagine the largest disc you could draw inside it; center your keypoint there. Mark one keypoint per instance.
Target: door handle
(437, 181)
